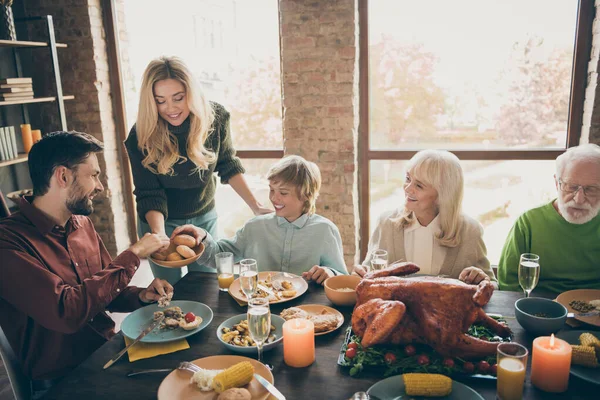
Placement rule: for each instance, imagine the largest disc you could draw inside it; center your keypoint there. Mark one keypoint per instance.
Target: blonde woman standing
(431, 230)
(179, 140)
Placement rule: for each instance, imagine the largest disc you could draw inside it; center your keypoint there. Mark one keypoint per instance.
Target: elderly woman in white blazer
(431, 230)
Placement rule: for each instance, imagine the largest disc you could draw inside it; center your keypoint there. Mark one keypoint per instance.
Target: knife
(272, 389)
(585, 314)
(266, 290)
(146, 331)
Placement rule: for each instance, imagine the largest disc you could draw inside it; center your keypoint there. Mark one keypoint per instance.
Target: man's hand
(359, 270)
(317, 274)
(157, 289)
(473, 275)
(198, 233)
(260, 210)
(150, 243)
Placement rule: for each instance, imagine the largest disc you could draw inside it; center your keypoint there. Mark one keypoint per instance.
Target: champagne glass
(529, 272)
(259, 322)
(248, 276)
(379, 260)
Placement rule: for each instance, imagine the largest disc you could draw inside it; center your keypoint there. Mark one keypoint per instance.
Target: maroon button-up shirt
(55, 285)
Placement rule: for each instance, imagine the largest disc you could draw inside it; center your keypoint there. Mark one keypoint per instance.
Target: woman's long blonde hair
(442, 171)
(160, 146)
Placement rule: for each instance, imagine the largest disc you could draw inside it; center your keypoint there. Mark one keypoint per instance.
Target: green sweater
(569, 253)
(185, 194)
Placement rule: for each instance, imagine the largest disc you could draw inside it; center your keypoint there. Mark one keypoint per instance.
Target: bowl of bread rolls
(181, 252)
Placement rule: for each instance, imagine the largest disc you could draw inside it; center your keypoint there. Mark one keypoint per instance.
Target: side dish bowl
(540, 316)
(341, 289)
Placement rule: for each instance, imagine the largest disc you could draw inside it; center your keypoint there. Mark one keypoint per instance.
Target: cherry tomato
(423, 360)
(390, 358)
(493, 370)
(353, 345)
(190, 317)
(448, 362)
(483, 366)
(469, 367)
(350, 353)
(410, 350)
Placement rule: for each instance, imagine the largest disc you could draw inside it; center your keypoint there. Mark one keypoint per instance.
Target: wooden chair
(21, 385)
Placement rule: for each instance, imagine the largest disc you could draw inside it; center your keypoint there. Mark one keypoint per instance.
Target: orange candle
(27, 138)
(298, 342)
(36, 135)
(550, 364)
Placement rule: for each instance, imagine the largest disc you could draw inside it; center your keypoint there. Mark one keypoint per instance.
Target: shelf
(22, 157)
(34, 100)
(21, 43)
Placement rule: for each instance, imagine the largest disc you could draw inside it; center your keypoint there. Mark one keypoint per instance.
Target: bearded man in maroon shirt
(56, 277)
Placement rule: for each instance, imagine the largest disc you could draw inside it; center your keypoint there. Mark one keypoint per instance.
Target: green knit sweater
(185, 194)
(569, 253)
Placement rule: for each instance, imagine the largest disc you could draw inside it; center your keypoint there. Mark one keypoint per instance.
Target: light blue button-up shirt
(279, 245)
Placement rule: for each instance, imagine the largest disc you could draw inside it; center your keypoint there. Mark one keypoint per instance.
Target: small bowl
(555, 315)
(181, 263)
(338, 297)
(276, 321)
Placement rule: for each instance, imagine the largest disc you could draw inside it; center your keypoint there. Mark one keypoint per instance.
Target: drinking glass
(512, 365)
(379, 259)
(259, 322)
(248, 276)
(529, 272)
(224, 262)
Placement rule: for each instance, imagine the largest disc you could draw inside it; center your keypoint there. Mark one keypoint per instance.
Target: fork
(185, 365)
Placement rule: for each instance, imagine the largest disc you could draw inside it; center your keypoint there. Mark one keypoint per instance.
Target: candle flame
(552, 341)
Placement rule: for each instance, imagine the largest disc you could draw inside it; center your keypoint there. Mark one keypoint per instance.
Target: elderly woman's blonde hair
(159, 146)
(302, 174)
(442, 171)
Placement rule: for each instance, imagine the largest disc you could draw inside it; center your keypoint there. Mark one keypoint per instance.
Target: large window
(233, 49)
(496, 82)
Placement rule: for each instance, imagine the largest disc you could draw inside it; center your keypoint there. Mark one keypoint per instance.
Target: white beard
(578, 217)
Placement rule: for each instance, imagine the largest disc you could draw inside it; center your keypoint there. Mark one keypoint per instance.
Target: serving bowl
(342, 297)
(540, 316)
(276, 321)
(180, 263)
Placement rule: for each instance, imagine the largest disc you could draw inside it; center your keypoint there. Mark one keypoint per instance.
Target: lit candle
(26, 136)
(36, 135)
(298, 342)
(511, 376)
(550, 364)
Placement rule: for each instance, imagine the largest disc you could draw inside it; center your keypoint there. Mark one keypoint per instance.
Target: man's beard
(80, 205)
(578, 217)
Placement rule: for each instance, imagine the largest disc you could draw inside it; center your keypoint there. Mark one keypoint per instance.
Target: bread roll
(174, 256)
(185, 251)
(235, 394)
(185, 240)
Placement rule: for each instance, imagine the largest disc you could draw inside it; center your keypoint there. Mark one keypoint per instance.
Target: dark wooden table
(322, 380)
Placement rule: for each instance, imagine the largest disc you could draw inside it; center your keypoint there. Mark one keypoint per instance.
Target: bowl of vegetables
(234, 334)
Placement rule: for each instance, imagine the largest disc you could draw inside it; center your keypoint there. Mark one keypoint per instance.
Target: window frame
(582, 51)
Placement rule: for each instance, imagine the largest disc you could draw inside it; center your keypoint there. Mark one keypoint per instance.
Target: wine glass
(529, 272)
(248, 276)
(259, 322)
(379, 260)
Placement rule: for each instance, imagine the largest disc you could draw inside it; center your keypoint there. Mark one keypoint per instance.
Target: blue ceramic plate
(392, 388)
(585, 373)
(135, 322)
(276, 321)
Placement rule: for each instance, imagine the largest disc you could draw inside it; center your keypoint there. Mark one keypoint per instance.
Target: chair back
(21, 385)
(4, 211)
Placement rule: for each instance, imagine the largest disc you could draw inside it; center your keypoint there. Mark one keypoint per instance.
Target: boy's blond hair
(304, 175)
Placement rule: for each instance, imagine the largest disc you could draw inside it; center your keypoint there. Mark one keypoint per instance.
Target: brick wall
(319, 65)
(84, 71)
(591, 107)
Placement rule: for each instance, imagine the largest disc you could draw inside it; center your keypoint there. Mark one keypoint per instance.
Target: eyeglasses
(588, 191)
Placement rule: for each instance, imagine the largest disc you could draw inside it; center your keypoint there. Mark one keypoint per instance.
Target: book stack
(14, 89)
(8, 143)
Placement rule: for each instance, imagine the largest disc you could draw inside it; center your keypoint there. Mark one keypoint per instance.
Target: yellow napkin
(241, 303)
(147, 350)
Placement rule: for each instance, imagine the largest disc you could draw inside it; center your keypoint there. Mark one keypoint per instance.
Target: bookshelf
(22, 157)
(22, 43)
(34, 100)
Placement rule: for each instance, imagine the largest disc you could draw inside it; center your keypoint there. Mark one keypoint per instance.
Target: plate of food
(181, 252)
(182, 319)
(587, 372)
(582, 301)
(234, 335)
(325, 319)
(290, 287)
(398, 388)
(183, 385)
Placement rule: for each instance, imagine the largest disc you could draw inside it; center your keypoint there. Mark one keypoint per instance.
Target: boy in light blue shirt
(293, 239)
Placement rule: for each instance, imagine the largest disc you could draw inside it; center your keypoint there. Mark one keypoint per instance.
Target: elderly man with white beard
(565, 233)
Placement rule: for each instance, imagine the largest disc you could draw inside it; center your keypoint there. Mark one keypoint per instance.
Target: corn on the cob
(433, 385)
(587, 339)
(237, 375)
(584, 355)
